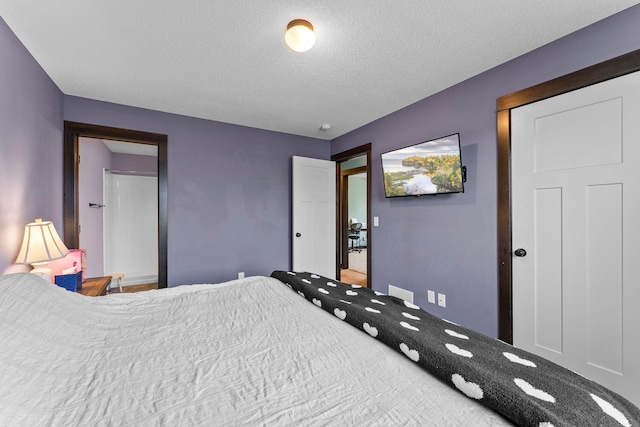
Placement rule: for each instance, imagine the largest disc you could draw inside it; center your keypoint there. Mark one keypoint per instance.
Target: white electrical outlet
(376, 221)
(431, 297)
(442, 300)
(241, 275)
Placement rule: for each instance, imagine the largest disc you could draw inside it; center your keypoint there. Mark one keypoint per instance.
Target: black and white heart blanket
(525, 388)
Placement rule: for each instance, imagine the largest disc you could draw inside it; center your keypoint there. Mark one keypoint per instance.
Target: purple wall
(448, 243)
(30, 147)
(229, 189)
(94, 156)
(229, 186)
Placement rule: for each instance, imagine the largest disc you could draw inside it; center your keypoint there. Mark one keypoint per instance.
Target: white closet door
(576, 212)
(314, 216)
(131, 227)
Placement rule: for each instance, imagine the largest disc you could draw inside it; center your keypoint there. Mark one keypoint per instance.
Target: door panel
(314, 216)
(560, 147)
(548, 252)
(131, 227)
(604, 276)
(576, 210)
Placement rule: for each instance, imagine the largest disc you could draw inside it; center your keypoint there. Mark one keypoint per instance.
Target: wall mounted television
(430, 167)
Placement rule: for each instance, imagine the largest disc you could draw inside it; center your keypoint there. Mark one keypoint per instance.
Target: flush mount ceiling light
(299, 35)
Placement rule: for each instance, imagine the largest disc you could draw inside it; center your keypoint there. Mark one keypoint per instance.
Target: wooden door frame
(607, 70)
(73, 131)
(341, 214)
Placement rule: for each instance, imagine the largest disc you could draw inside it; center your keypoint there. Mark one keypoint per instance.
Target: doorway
(314, 227)
(615, 67)
(118, 210)
(130, 220)
(574, 220)
(73, 133)
(353, 240)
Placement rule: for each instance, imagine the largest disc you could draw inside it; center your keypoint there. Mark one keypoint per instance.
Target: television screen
(431, 167)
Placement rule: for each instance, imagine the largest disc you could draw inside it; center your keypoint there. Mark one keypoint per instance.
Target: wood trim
(607, 70)
(616, 67)
(71, 151)
(341, 157)
(505, 304)
(163, 209)
(343, 213)
(355, 171)
(350, 154)
(71, 172)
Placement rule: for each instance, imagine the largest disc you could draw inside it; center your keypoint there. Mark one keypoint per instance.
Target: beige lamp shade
(299, 35)
(41, 244)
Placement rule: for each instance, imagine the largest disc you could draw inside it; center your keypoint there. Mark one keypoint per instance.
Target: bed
(290, 349)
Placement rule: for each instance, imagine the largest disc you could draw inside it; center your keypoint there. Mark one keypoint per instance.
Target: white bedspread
(249, 352)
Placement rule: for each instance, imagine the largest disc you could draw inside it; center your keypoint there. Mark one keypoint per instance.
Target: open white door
(314, 216)
(576, 203)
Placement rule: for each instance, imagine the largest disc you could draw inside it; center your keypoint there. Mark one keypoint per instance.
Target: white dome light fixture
(299, 35)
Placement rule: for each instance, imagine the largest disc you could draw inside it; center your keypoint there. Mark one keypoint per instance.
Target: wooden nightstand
(95, 286)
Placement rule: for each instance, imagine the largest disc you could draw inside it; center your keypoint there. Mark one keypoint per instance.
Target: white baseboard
(139, 280)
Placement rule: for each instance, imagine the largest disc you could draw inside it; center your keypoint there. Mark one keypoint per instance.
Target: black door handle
(520, 252)
(298, 234)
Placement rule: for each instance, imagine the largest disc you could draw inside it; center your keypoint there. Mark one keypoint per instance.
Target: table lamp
(40, 245)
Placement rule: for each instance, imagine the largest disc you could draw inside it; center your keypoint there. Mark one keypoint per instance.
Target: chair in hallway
(354, 235)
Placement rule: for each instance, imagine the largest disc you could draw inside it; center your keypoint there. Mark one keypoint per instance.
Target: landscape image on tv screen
(431, 167)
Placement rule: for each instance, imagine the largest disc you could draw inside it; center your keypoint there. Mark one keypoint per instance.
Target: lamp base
(43, 272)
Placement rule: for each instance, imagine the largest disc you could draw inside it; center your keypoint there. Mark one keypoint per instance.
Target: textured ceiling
(226, 60)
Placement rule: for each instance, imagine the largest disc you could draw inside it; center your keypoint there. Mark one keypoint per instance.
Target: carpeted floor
(358, 261)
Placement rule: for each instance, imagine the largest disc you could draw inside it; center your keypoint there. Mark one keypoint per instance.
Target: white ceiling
(226, 60)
